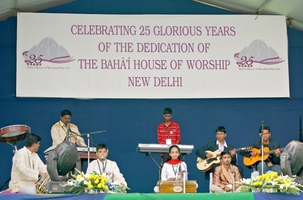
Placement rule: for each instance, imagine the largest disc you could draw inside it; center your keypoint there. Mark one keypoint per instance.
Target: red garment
(172, 131)
(173, 162)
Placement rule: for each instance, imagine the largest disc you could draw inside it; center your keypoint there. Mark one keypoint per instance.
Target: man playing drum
(27, 166)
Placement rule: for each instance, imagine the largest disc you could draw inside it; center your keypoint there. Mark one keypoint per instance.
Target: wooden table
(84, 157)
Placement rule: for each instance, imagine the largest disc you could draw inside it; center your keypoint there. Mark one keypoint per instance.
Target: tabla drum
(14, 133)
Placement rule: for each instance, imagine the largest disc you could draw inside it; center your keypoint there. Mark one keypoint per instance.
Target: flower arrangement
(93, 183)
(271, 183)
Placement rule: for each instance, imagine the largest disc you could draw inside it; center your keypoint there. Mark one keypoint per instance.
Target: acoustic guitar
(248, 161)
(207, 163)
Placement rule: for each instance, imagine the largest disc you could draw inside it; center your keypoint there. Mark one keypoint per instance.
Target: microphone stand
(88, 142)
(262, 149)
(232, 178)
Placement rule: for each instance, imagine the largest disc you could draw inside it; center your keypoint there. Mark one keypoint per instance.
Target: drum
(14, 133)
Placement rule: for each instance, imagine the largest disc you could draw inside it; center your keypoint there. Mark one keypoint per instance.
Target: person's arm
(55, 133)
(201, 152)
(41, 166)
(21, 162)
(79, 140)
(275, 156)
(178, 135)
(248, 154)
(216, 178)
(238, 177)
(184, 170)
(160, 138)
(91, 168)
(118, 176)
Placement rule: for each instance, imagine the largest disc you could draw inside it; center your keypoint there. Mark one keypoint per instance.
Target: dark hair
(225, 153)
(66, 112)
(264, 128)
(101, 146)
(169, 150)
(221, 129)
(167, 111)
(31, 138)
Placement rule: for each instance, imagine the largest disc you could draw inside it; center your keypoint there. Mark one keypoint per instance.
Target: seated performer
(27, 166)
(104, 166)
(272, 163)
(174, 168)
(223, 180)
(64, 128)
(219, 144)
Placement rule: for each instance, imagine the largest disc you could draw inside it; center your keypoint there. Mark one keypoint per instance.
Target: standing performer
(64, 128)
(168, 132)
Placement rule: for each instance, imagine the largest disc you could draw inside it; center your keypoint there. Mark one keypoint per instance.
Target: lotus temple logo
(48, 50)
(257, 52)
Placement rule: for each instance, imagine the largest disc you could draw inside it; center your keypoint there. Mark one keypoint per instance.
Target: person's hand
(233, 152)
(171, 179)
(253, 153)
(227, 189)
(43, 173)
(277, 152)
(209, 155)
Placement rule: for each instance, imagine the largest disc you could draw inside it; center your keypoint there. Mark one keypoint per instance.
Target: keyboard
(85, 149)
(163, 148)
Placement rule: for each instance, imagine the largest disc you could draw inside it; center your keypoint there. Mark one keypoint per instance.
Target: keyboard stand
(159, 167)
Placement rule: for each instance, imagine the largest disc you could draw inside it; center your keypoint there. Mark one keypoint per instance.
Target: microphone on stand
(102, 158)
(261, 131)
(227, 161)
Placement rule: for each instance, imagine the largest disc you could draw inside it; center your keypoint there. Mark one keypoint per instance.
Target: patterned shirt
(172, 132)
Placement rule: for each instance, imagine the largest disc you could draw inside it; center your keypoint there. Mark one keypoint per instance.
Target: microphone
(102, 158)
(227, 161)
(261, 131)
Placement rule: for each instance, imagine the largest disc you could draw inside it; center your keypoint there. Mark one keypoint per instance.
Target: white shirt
(25, 169)
(108, 168)
(59, 131)
(221, 147)
(169, 171)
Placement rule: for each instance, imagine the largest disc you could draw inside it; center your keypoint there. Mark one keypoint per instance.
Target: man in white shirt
(27, 166)
(63, 129)
(104, 166)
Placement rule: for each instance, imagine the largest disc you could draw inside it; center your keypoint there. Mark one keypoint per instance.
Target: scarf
(174, 162)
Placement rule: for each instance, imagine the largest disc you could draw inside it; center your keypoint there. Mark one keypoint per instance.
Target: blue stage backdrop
(129, 122)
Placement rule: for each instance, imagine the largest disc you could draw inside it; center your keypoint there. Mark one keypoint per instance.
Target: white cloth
(110, 169)
(25, 170)
(169, 171)
(59, 131)
(221, 147)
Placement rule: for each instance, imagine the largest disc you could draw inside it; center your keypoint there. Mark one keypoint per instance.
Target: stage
(134, 196)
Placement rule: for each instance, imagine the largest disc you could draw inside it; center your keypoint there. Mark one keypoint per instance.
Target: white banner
(151, 56)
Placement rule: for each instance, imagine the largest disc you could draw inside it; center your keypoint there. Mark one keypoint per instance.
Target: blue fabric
(51, 196)
(275, 196)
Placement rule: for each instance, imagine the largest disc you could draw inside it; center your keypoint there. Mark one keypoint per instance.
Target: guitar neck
(272, 151)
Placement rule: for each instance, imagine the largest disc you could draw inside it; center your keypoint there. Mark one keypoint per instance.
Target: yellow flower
(89, 185)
